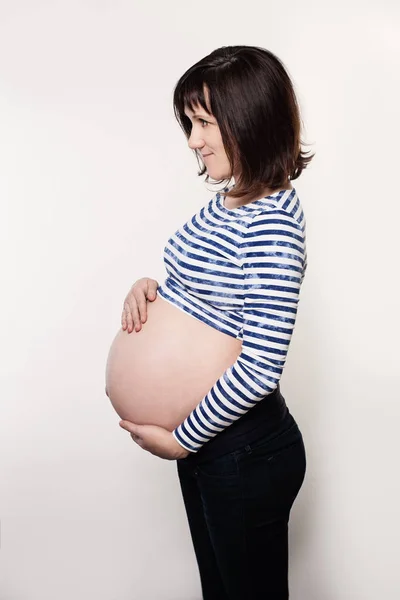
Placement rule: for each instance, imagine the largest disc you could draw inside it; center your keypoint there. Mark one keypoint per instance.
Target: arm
(273, 262)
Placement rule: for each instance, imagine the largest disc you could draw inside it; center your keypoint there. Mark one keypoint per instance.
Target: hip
(263, 423)
(263, 472)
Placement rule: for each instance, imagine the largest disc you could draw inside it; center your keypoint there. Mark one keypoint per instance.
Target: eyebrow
(199, 116)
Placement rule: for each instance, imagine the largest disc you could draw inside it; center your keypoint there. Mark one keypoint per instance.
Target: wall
(86, 122)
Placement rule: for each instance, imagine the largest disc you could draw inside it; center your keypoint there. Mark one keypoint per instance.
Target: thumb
(129, 426)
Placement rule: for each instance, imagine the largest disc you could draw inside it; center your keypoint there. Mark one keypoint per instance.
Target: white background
(95, 174)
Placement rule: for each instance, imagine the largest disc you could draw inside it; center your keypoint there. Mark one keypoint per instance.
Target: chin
(217, 176)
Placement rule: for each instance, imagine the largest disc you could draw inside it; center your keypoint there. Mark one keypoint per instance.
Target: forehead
(198, 110)
(193, 107)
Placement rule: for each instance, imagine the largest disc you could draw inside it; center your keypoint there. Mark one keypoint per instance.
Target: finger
(153, 290)
(139, 442)
(128, 316)
(133, 305)
(129, 426)
(129, 323)
(125, 425)
(142, 308)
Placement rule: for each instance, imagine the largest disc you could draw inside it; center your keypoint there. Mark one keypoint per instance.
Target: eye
(203, 121)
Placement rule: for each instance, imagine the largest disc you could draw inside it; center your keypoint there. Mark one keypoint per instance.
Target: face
(206, 139)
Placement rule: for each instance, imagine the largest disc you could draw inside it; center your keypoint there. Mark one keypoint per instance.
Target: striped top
(239, 270)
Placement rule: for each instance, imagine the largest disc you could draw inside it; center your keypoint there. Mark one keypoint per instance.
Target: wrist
(182, 451)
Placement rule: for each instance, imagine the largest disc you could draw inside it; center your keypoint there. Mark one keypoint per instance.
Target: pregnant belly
(158, 375)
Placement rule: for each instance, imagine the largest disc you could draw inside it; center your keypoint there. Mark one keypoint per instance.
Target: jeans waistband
(267, 416)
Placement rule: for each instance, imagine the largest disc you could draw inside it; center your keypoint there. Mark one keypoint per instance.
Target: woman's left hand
(155, 439)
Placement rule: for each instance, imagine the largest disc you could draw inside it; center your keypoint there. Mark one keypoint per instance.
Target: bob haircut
(252, 98)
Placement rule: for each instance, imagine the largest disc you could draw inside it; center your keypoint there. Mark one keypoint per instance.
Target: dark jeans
(238, 505)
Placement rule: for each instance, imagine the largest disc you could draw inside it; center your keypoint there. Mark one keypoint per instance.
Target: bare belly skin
(158, 375)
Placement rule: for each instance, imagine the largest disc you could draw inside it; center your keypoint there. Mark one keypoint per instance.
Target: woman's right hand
(134, 312)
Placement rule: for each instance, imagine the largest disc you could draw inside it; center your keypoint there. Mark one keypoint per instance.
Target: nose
(195, 141)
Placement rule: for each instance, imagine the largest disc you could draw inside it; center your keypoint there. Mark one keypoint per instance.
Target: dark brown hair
(253, 100)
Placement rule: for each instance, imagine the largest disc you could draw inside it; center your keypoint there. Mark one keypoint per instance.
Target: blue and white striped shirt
(239, 270)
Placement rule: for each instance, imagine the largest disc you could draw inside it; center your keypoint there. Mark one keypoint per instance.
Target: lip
(205, 155)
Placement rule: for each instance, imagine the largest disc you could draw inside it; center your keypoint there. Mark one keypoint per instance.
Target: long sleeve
(273, 261)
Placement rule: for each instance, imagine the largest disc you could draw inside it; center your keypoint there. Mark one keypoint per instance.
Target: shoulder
(273, 222)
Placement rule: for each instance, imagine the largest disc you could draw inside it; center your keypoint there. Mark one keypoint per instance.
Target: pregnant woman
(195, 371)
